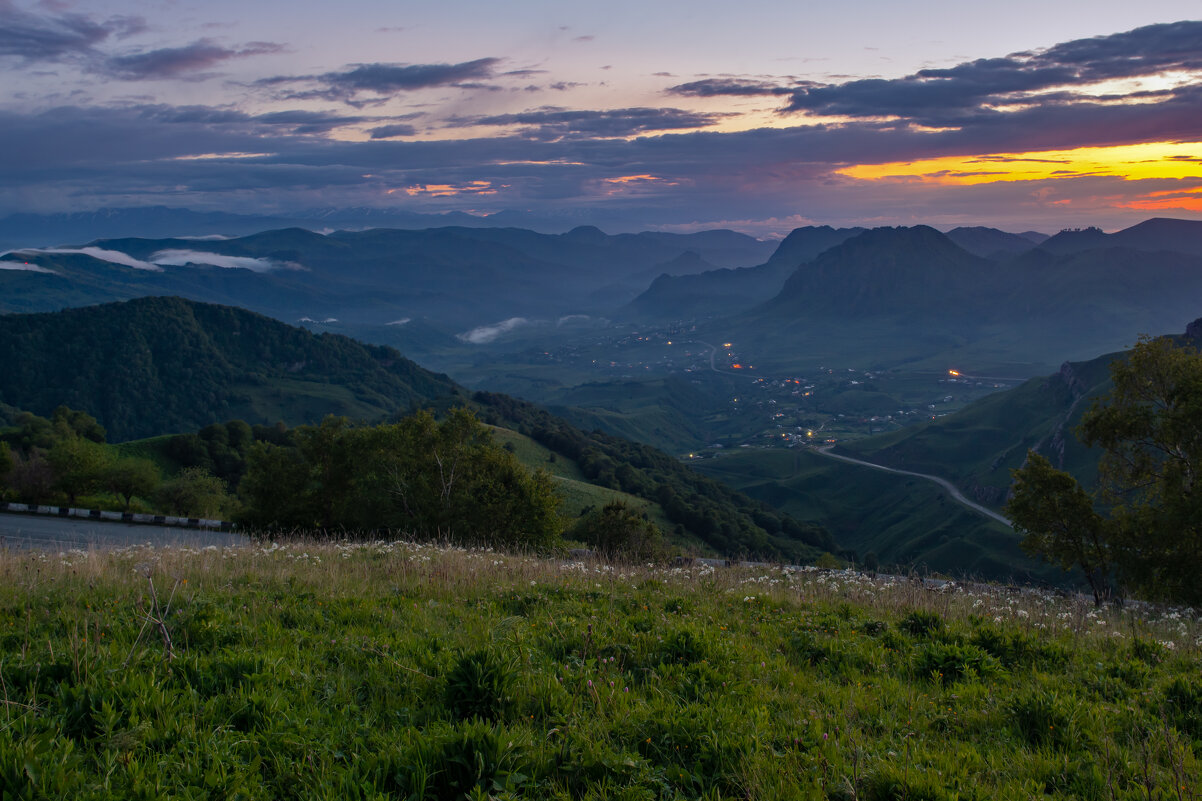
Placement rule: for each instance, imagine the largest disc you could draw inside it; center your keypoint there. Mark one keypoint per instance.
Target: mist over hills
(24, 230)
(458, 278)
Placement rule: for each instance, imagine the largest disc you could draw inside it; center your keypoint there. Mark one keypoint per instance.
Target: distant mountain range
(678, 294)
(455, 278)
(895, 296)
(25, 230)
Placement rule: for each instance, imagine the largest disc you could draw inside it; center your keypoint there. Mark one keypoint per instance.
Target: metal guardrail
(118, 517)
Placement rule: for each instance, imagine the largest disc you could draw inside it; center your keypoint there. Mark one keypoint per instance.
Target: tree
(1150, 430)
(194, 493)
(79, 465)
(617, 531)
(131, 476)
(436, 479)
(6, 466)
(1059, 521)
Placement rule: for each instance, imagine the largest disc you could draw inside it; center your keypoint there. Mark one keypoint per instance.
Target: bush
(618, 532)
(1044, 718)
(479, 686)
(950, 662)
(921, 623)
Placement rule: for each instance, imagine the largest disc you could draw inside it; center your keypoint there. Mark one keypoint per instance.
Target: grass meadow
(411, 671)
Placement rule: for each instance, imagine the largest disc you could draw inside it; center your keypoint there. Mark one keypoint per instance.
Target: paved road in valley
(61, 533)
(947, 485)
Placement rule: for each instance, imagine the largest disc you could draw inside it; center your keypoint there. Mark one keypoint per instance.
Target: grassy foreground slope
(380, 671)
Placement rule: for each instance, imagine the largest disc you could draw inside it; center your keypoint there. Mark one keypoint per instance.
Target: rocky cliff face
(1194, 329)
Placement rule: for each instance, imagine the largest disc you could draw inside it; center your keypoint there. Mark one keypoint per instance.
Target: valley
(754, 354)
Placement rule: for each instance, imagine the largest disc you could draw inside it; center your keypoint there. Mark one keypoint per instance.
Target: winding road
(943, 482)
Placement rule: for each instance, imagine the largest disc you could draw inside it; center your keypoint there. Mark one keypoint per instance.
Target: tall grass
(405, 670)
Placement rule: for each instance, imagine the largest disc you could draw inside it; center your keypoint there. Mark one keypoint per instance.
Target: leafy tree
(32, 478)
(194, 493)
(618, 531)
(1150, 430)
(445, 480)
(79, 465)
(1059, 521)
(131, 476)
(72, 421)
(6, 466)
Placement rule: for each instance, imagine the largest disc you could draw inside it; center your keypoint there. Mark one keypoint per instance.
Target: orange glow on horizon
(1171, 160)
(448, 190)
(628, 179)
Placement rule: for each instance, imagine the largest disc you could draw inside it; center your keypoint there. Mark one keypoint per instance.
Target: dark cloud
(39, 38)
(384, 80)
(174, 62)
(391, 131)
(551, 122)
(945, 96)
(737, 87)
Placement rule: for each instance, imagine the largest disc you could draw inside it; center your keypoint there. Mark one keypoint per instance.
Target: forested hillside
(162, 365)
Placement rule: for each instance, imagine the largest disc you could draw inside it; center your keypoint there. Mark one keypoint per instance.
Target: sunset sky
(760, 116)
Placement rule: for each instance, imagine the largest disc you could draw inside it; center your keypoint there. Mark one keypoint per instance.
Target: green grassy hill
(395, 670)
(906, 523)
(977, 447)
(155, 365)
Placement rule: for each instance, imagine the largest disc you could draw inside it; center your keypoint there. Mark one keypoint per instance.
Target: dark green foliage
(921, 623)
(1183, 704)
(131, 477)
(157, 365)
(479, 686)
(618, 532)
(1018, 649)
(1045, 718)
(949, 662)
(194, 493)
(711, 511)
(1149, 428)
(435, 480)
(1058, 520)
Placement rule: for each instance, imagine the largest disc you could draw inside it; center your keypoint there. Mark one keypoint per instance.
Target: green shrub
(949, 662)
(1043, 718)
(478, 686)
(921, 623)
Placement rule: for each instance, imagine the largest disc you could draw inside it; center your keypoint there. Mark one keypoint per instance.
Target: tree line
(64, 459)
(1139, 530)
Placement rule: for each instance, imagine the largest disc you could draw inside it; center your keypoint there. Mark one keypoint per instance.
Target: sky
(759, 115)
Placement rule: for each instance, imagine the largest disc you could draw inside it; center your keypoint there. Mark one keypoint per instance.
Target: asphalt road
(947, 485)
(62, 534)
